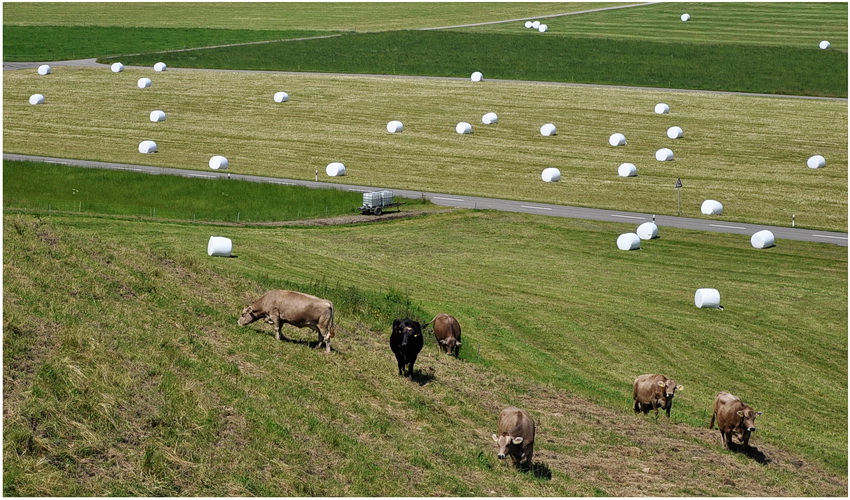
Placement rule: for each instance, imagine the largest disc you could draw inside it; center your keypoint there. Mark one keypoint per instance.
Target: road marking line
(446, 199)
(56, 162)
(535, 208)
(628, 216)
(727, 227)
(204, 176)
(828, 236)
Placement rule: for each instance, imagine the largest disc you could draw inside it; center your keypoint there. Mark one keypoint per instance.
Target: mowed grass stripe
(749, 153)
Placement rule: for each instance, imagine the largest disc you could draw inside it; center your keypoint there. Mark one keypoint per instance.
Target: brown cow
(447, 332)
(515, 436)
(734, 418)
(652, 392)
(278, 307)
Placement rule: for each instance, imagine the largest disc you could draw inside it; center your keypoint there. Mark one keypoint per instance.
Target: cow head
(748, 418)
(504, 442)
(669, 387)
(248, 316)
(450, 343)
(407, 328)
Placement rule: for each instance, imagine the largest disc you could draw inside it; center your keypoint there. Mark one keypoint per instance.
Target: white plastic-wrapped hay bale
(535, 24)
(675, 132)
(117, 67)
(158, 115)
(711, 207)
(144, 83)
(147, 147)
(219, 246)
(617, 139)
(463, 128)
(664, 154)
(551, 174)
(219, 162)
(36, 99)
(824, 45)
(628, 241)
(816, 161)
(543, 28)
(477, 76)
(707, 298)
(548, 129)
(662, 108)
(763, 239)
(335, 169)
(647, 231)
(685, 18)
(395, 126)
(160, 66)
(44, 69)
(281, 97)
(528, 24)
(627, 170)
(489, 119)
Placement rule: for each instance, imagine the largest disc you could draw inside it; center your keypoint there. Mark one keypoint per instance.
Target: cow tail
(711, 425)
(428, 323)
(331, 327)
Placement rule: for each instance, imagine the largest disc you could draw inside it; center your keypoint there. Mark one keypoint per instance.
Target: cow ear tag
(660, 384)
(740, 413)
(680, 388)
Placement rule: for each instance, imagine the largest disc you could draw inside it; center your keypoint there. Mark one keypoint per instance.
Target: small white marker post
(678, 187)
(317, 175)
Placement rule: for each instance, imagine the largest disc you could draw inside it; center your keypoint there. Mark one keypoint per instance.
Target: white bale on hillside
(463, 128)
(219, 162)
(548, 129)
(763, 239)
(627, 170)
(675, 132)
(44, 69)
(535, 24)
(528, 24)
(647, 231)
(395, 126)
(144, 83)
(335, 169)
(707, 298)
(617, 139)
(662, 108)
(117, 67)
(711, 207)
(664, 154)
(489, 119)
(158, 115)
(543, 28)
(685, 17)
(628, 241)
(160, 66)
(477, 76)
(551, 174)
(281, 97)
(147, 147)
(816, 161)
(824, 45)
(219, 246)
(36, 99)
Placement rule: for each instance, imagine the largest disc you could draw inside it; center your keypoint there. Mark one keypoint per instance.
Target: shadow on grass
(540, 471)
(423, 377)
(752, 452)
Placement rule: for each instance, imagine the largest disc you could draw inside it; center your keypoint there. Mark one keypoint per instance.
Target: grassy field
(747, 152)
(132, 377)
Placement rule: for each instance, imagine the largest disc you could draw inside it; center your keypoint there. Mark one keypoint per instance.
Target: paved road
(475, 202)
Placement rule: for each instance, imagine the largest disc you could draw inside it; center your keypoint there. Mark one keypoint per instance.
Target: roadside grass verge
(747, 152)
(132, 377)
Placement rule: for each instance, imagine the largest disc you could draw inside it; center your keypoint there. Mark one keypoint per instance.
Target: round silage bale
(763, 239)
(335, 169)
(528, 24)
(219, 246)
(685, 17)
(664, 154)
(147, 147)
(44, 69)
(543, 28)
(816, 161)
(395, 126)
(627, 170)
(617, 139)
(463, 128)
(551, 174)
(647, 231)
(675, 132)
(711, 207)
(707, 298)
(548, 129)
(535, 24)
(489, 119)
(628, 241)
(117, 67)
(144, 83)
(160, 66)
(477, 76)
(158, 115)
(824, 45)
(36, 99)
(219, 162)
(281, 97)
(662, 108)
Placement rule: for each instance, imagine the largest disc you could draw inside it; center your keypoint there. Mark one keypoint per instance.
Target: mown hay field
(747, 152)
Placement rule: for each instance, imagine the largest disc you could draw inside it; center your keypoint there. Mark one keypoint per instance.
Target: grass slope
(132, 377)
(747, 152)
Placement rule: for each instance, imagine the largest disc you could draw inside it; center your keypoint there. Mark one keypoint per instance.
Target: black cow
(406, 342)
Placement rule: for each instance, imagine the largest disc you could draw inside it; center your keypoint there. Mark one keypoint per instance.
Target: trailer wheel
(378, 211)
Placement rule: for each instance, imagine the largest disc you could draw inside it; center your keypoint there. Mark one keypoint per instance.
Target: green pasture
(125, 373)
(747, 152)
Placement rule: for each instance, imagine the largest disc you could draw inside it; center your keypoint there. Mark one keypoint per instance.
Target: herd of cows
(516, 428)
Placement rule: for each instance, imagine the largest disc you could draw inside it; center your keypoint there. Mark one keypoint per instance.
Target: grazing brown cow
(278, 307)
(447, 332)
(515, 436)
(734, 418)
(652, 392)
